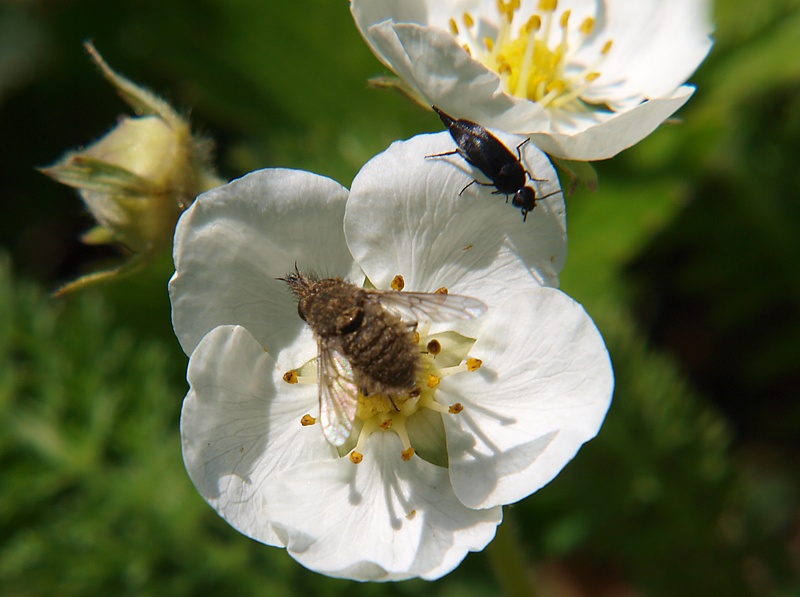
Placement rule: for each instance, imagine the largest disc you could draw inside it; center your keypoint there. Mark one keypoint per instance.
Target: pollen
(398, 282)
(307, 421)
(535, 58)
(433, 381)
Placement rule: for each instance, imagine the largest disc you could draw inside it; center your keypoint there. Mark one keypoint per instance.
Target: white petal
(543, 390)
(430, 60)
(405, 216)
(614, 132)
(657, 45)
(240, 426)
(233, 243)
(383, 519)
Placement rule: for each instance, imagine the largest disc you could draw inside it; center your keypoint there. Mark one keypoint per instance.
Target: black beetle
(488, 154)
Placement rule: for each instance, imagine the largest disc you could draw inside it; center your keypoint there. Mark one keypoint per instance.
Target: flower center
(442, 355)
(534, 60)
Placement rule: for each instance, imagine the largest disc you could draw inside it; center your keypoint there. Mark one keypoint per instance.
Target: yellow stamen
(407, 454)
(398, 282)
(433, 380)
(468, 20)
(474, 364)
(356, 457)
(533, 25)
(565, 18)
(591, 77)
(453, 27)
(456, 408)
(607, 47)
(587, 26)
(307, 420)
(548, 5)
(290, 376)
(442, 290)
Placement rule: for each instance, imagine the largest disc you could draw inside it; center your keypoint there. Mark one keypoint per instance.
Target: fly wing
(427, 306)
(338, 393)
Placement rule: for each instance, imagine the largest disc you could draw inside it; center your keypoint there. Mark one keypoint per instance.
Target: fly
(363, 343)
(487, 153)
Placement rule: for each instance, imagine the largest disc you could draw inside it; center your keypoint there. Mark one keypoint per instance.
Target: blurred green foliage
(687, 257)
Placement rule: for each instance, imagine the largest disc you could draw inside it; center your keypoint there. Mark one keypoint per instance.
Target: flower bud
(138, 178)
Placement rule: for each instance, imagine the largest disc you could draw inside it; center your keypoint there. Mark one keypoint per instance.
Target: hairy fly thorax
(378, 344)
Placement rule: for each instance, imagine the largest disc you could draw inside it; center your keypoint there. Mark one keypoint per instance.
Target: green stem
(507, 558)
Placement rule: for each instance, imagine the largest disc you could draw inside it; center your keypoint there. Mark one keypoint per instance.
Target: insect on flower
(488, 154)
(364, 345)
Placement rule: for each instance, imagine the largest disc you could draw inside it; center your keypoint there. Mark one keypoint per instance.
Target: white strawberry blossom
(513, 396)
(584, 79)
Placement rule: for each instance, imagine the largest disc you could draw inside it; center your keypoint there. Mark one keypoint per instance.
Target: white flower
(584, 79)
(542, 389)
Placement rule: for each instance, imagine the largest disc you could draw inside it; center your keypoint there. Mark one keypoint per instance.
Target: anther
(453, 27)
(474, 364)
(434, 347)
(407, 454)
(307, 420)
(398, 282)
(455, 408)
(290, 376)
(548, 5)
(356, 457)
(533, 24)
(442, 290)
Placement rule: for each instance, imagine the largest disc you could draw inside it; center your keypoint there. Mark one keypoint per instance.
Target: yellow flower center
(533, 59)
(443, 354)
(382, 414)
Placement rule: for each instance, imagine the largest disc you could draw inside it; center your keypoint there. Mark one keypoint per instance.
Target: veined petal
(405, 216)
(383, 519)
(613, 132)
(578, 66)
(542, 391)
(658, 44)
(233, 243)
(240, 426)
